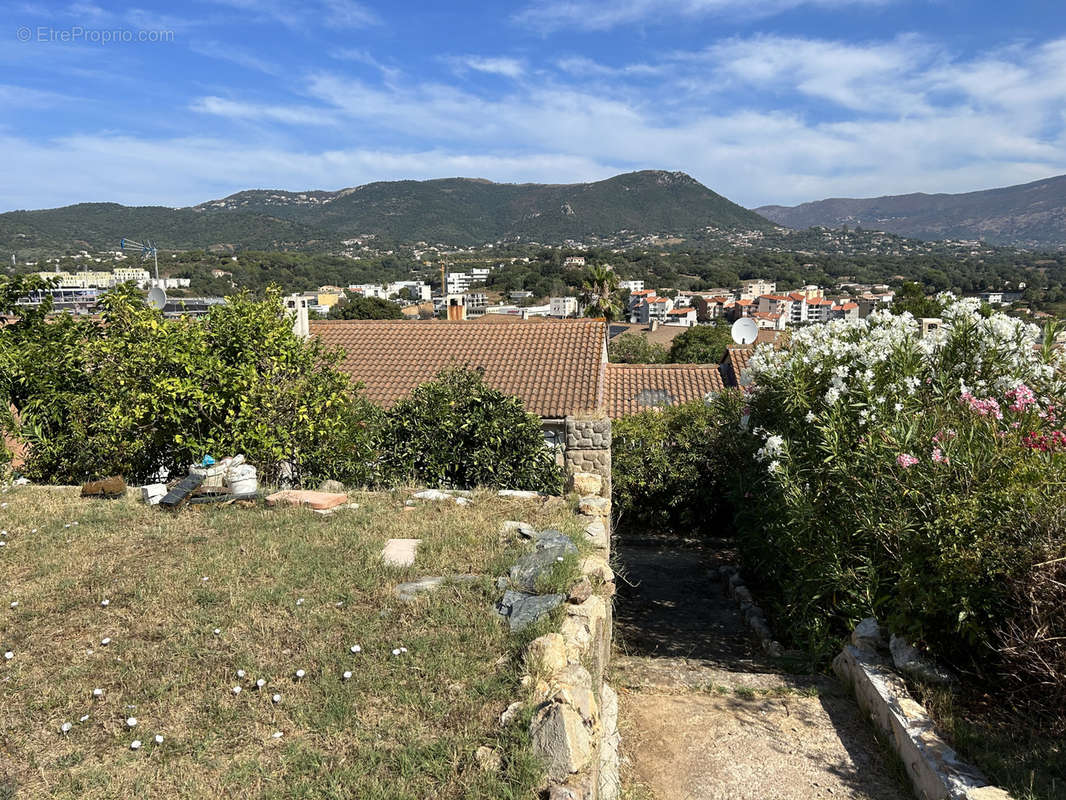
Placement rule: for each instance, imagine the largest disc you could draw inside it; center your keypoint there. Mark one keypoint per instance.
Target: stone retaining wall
(575, 723)
(935, 770)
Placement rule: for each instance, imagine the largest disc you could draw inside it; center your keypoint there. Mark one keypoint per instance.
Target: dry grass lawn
(287, 589)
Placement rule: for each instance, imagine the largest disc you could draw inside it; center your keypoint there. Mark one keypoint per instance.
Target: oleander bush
(917, 479)
(671, 468)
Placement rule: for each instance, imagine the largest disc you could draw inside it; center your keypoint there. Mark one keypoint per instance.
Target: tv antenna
(146, 249)
(744, 331)
(157, 298)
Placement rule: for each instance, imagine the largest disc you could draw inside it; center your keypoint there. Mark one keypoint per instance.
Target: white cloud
(262, 112)
(764, 119)
(595, 15)
(507, 67)
(304, 15)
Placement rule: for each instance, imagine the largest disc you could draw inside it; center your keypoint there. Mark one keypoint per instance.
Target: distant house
(574, 261)
(685, 317)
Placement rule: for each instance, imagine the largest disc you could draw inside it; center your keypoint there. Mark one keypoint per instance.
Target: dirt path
(705, 716)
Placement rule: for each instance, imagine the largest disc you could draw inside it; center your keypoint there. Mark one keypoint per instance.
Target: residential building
(798, 311)
(685, 317)
(631, 286)
(751, 289)
(819, 309)
(652, 309)
(562, 306)
(574, 261)
(770, 320)
(845, 310)
(520, 295)
(458, 282)
(476, 301)
(775, 304)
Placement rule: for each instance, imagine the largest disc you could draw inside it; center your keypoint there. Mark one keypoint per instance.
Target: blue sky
(764, 101)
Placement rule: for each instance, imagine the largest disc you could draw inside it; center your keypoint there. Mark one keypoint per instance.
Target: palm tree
(600, 286)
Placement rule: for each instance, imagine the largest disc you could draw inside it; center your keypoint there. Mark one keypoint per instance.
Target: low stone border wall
(575, 721)
(933, 767)
(752, 614)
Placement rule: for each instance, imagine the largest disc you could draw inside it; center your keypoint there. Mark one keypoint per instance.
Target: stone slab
(305, 497)
(400, 552)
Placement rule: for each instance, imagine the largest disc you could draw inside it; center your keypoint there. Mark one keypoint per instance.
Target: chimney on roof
(456, 308)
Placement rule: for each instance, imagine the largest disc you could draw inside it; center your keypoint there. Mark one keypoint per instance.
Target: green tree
(912, 298)
(457, 431)
(632, 348)
(365, 308)
(600, 291)
(700, 344)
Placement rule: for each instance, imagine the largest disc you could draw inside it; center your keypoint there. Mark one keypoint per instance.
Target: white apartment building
(562, 306)
(685, 317)
(652, 309)
(798, 312)
(750, 289)
(631, 286)
(459, 282)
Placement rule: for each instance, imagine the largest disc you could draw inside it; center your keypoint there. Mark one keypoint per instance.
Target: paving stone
(304, 497)
(412, 590)
(400, 552)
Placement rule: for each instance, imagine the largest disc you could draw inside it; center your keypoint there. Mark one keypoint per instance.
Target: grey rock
(520, 494)
(913, 664)
(523, 529)
(560, 739)
(510, 713)
(551, 538)
(334, 487)
(867, 636)
(412, 590)
(529, 567)
(523, 609)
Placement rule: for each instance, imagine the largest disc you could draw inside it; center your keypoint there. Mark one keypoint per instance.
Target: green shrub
(134, 394)
(671, 468)
(916, 479)
(632, 348)
(459, 432)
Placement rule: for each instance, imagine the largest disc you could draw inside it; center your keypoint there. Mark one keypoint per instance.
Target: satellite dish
(157, 298)
(744, 331)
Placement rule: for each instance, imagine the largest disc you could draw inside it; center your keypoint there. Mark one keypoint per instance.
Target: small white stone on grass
(3, 543)
(277, 734)
(105, 641)
(205, 579)
(217, 631)
(259, 684)
(135, 744)
(83, 718)
(65, 727)
(33, 530)
(3, 533)
(74, 523)
(98, 692)
(403, 649)
(236, 690)
(338, 604)
(355, 649)
(300, 601)
(15, 604)
(9, 655)
(300, 673)
(396, 652)
(158, 739)
(105, 603)
(276, 698)
(347, 674)
(240, 673)
(131, 722)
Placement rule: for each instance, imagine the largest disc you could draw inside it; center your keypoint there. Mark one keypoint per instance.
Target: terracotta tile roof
(638, 387)
(744, 302)
(736, 358)
(797, 297)
(555, 367)
(679, 311)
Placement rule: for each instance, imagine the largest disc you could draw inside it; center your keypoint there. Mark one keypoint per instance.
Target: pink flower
(1022, 397)
(984, 408)
(906, 460)
(939, 457)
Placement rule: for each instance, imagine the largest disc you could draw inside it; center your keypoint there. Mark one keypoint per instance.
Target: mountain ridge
(1030, 214)
(457, 211)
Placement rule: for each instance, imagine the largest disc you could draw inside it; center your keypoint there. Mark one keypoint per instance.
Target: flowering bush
(905, 476)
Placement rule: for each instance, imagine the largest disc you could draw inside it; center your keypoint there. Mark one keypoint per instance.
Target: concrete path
(704, 716)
